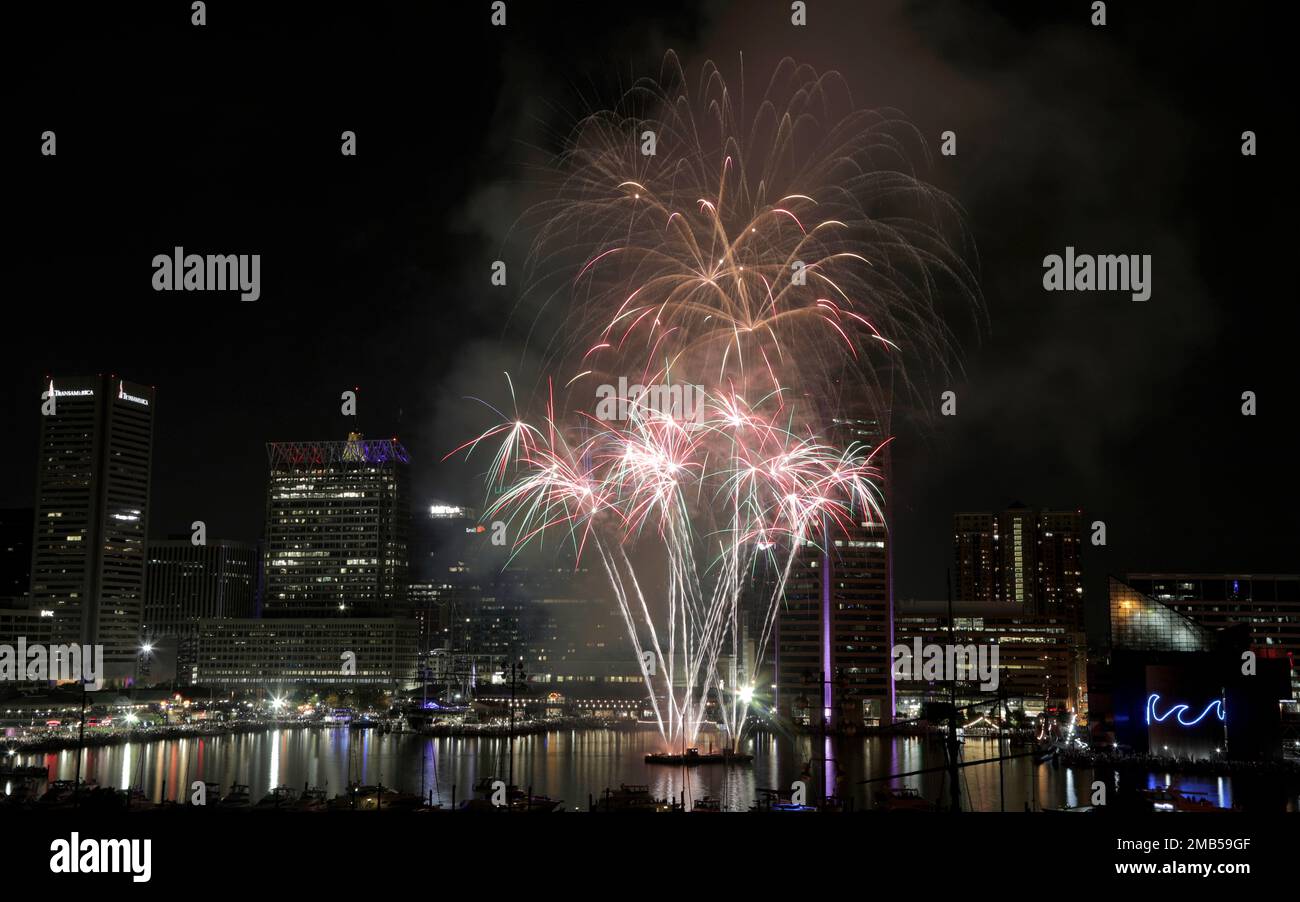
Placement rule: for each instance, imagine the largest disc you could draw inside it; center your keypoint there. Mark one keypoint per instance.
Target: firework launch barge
(692, 757)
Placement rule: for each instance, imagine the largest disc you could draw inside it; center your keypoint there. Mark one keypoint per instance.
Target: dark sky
(225, 139)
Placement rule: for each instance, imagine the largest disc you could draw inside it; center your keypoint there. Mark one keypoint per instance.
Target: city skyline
(1086, 434)
(423, 414)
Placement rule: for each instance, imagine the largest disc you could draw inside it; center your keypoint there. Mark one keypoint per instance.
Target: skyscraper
(834, 629)
(336, 529)
(1025, 557)
(92, 514)
(15, 555)
(187, 582)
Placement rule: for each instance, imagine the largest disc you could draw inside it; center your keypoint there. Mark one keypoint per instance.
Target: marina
(324, 769)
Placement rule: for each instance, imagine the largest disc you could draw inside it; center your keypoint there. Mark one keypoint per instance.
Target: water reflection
(578, 765)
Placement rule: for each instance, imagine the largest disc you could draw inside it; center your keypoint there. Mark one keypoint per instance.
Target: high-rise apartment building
(1029, 558)
(92, 514)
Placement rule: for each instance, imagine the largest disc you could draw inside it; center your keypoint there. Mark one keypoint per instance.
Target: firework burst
(786, 263)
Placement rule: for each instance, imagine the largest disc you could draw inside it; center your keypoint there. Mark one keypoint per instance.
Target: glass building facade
(1140, 623)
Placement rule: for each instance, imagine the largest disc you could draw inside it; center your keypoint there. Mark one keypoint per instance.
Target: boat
(515, 799)
(693, 758)
(361, 797)
(1171, 798)
(34, 771)
(337, 717)
(211, 794)
(313, 799)
(777, 800)
(904, 798)
(18, 797)
(279, 797)
(1050, 750)
(135, 799)
(63, 792)
(238, 797)
(633, 797)
(835, 805)
(427, 715)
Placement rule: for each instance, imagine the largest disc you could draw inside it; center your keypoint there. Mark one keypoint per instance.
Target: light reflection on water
(578, 765)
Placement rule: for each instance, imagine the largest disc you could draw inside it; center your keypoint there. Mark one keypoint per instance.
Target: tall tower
(92, 514)
(337, 517)
(835, 627)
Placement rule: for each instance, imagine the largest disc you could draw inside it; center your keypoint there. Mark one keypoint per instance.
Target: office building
(285, 652)
(337, 519)
(1041, 660)
(834, 627)
(15, 555)
(187, 583)
(92, 514)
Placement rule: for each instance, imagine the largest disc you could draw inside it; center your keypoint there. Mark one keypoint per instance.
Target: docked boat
(238, 797)
(135, 800)
(1171, 798)
(280, 797)
(904, 798)
(693, 758)
(63, 792)
(515, 799)
(34, 771)
(375, 798)
(312, 799)
(634, 797)
(778, 800)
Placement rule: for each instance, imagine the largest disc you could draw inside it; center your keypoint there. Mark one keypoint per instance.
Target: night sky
(225, 139)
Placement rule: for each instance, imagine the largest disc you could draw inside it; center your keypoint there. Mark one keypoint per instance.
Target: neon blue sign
(1177, 712)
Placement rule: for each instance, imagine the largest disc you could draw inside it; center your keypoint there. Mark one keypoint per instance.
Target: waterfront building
(92, 514)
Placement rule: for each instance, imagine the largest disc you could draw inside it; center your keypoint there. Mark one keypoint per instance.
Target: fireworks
(783, 268)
